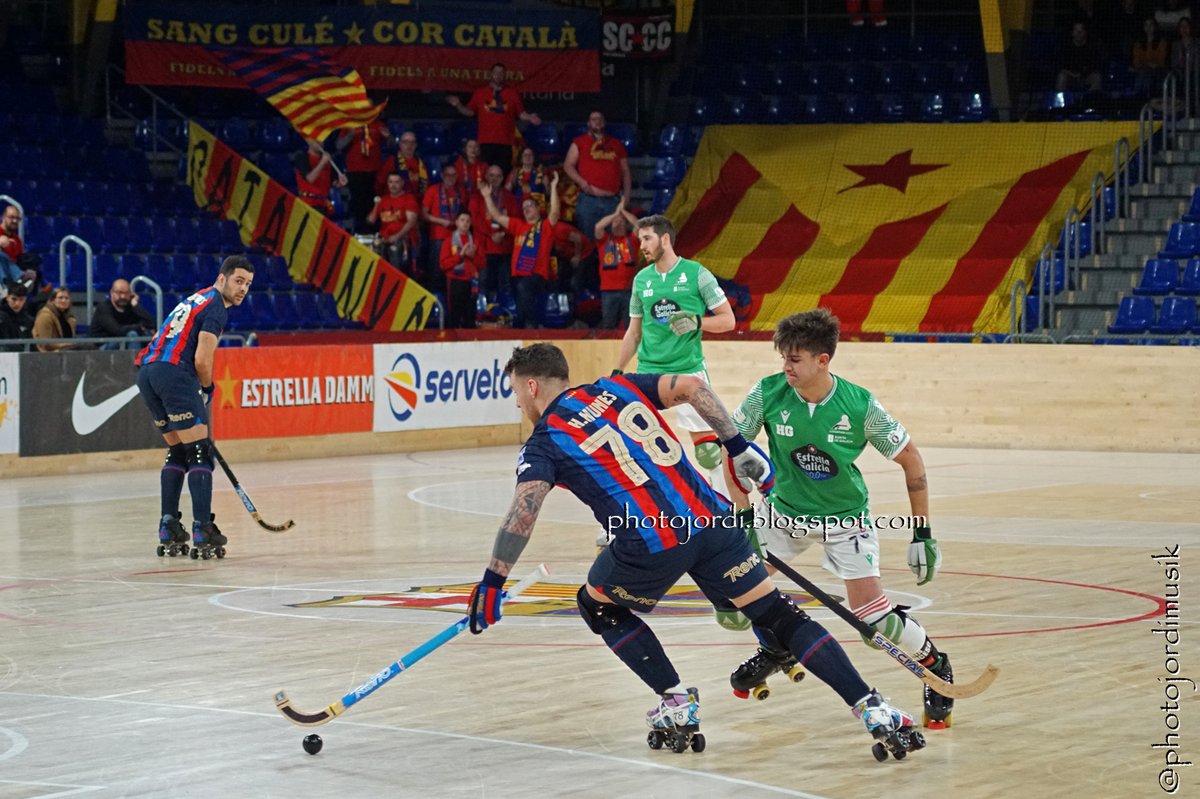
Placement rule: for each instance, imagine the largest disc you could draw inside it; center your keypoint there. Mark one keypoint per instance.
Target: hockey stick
(339, 707)
(273, 528)
(951, 690)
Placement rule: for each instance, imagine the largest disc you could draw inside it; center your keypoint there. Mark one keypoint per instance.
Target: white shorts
(849, 554)
(686, 415)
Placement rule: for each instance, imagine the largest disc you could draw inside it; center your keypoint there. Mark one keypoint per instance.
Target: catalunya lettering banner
(896, 228)
(317, 251)
(434, 46)
(269, 392)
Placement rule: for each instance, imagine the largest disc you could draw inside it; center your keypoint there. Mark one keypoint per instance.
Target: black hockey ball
(313, 743)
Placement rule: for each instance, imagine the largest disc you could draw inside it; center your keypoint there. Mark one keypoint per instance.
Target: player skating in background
(817, 425)
(175, 378)
(607, 443)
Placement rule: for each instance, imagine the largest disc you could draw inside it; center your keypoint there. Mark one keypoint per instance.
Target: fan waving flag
(316, 95)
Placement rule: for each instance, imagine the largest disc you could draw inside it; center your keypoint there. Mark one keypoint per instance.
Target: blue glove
(748, 461)
(207, 391)
(484, 605)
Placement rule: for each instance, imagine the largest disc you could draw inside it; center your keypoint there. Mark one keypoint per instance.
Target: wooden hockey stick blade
(948, 689)
(273, 528)
(302, 719)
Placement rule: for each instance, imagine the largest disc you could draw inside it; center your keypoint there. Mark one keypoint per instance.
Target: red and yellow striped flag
(316, 95)
(897, 228)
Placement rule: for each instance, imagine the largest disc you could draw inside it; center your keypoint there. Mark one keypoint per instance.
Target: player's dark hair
(235, 262)
(659, 224)
(815, 332)
(542, 360)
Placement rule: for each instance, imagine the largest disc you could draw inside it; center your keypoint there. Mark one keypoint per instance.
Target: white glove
(924, 555)
(751, 468)
(683, 322)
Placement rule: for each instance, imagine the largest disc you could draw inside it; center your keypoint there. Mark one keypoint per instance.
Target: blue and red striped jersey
(175, 341)
(608, 445)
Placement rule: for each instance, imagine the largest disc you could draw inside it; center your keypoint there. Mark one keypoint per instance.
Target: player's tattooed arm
(697, 393)
(518, 525)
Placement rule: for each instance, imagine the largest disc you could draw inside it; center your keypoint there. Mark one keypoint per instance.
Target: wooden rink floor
(125, 674)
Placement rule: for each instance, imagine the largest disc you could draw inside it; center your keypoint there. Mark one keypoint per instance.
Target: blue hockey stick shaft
(406, 662)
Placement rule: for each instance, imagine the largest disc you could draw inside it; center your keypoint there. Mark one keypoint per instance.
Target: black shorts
(172, 395)
(719, 559)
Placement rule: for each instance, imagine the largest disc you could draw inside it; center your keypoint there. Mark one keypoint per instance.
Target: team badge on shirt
(815, 463)
(842, 432)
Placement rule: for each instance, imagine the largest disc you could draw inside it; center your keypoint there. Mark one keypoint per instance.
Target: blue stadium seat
(1189, 285)
(185, 235)
(892, 108)
(670, 142)
(691, 142)
(236, 134)
(285, 310)
(262, 311)
(930, 77)
(627, 135)
(896, 77)
(1081, 232)
(162, 234)
(118, 197)
(1134, 315)
(1193, 212)
(556, 310)
(76, 271)
(703, 110)
(39, 234)
(1057, 277)
(460, 130)
(207, 267)
(328, 309)
(90, 230)
(306, 308)
(1177, 315)
(158, 269)
(432, 139)
(781, 109)
(1110, 202)
(738, 110)
(1159, 278)
(573, 130)
(1183, 241)
(667, 173)
(857, 108)
(932, 107)
(276, 276)
(274, 136)
(278, 167)
(434, 167)
(544, 140)
(104, 270)
(823, 78)
(815, 109)
(116, 237)
(965, 76)
(73, 198)
(971, 107)
(129, 266)
(208, 234)
(182, 273)
(786, 79)
(231, 238)
(662, 200)
(860, 77)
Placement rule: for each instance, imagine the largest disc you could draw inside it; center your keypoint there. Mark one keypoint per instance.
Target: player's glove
(484, 605)
(683, 322)
(747, 462)
(924, 556)
(207, 391)
(616, 372)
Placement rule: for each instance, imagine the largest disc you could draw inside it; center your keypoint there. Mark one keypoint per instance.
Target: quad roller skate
(207, 540)
(750, 678)
(939, 709)
(891, 728)
(676, 723)
(172, 537)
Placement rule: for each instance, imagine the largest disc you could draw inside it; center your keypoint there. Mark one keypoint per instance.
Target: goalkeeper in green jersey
(817, 424)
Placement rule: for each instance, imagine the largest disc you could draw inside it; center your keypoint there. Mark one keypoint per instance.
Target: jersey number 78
(639, 423)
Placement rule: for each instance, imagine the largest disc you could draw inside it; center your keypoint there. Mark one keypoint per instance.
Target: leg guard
(728, 616)
(810, 643)
(199, 477)
(708, 452)
(630, 640)
(894, 624)
(171, 479)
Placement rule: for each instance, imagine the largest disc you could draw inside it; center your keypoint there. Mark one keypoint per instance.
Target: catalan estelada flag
(316, 95)
(896, 228)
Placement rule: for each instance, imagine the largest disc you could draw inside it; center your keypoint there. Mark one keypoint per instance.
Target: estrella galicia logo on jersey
(404, 382)
(815, 463)
(663, 310)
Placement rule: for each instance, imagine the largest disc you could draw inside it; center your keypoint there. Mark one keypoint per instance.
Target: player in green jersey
(817, 425)
(667, 318)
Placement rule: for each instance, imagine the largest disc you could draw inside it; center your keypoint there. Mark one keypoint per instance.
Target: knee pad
(904, 631)
(176, 457)
(199, 454)
(600, 616)
(708, 452)
(777, 614)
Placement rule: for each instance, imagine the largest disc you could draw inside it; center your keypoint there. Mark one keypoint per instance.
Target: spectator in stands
(576, 266)
(471, 168)
(1169, 16)
(55, 320)
(1149, 58)
(1183, 50)
(1082, 63)
(398, 216)
(533, 240)
(528, 179)
(461, 258)
(21, 266)
(854, 8)
(363, 147)
(497, 108)
(314, 176)
(599, 166)
(441, 206)
(10, 233)
(409, 166)
(15, 321)
(120, 315)
(618, 249)
(496, 241)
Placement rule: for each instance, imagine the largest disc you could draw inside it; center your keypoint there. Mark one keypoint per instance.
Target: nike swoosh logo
(88, 418)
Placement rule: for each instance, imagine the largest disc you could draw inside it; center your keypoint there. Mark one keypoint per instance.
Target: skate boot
(939, 709)
(676, 723)
(172, 536)
(750, 678)
(891, 728)
(207, 540)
